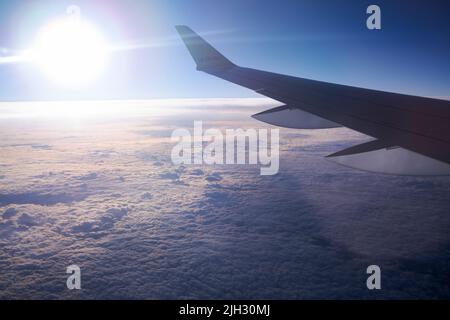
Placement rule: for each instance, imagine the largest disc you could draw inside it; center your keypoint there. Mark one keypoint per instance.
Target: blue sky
(325, 40)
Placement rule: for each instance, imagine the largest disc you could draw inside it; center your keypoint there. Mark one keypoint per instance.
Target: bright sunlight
(71, 52)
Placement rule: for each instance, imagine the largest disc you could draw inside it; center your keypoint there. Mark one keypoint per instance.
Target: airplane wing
(412, 134)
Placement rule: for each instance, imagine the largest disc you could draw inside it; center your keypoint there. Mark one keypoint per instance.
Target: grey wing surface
(419, 126)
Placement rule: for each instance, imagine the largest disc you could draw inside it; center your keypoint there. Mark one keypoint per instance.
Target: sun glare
(71, 52)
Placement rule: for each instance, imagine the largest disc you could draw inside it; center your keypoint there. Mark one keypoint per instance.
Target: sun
(71, 52)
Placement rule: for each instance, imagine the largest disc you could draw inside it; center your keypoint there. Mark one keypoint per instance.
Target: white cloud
(106, 197)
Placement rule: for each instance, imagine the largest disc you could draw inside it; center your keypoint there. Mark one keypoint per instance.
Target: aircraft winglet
(206, 57)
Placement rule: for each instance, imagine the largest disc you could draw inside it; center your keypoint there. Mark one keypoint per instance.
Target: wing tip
(182, 27)
(207, 58)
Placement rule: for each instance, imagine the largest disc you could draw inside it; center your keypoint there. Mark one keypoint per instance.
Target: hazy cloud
(109, 200)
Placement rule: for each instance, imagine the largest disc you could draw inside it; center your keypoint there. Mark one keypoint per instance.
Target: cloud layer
(98, 189)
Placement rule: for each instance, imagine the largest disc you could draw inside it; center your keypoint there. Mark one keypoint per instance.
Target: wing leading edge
(419, 125)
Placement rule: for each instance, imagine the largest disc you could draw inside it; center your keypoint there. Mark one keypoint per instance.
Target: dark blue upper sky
(324, 40)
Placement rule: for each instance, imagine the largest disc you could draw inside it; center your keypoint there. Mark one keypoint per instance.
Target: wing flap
(362, 148)
(294, 118)
(396, 161)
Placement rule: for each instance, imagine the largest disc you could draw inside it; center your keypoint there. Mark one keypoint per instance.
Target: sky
(326, 40)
